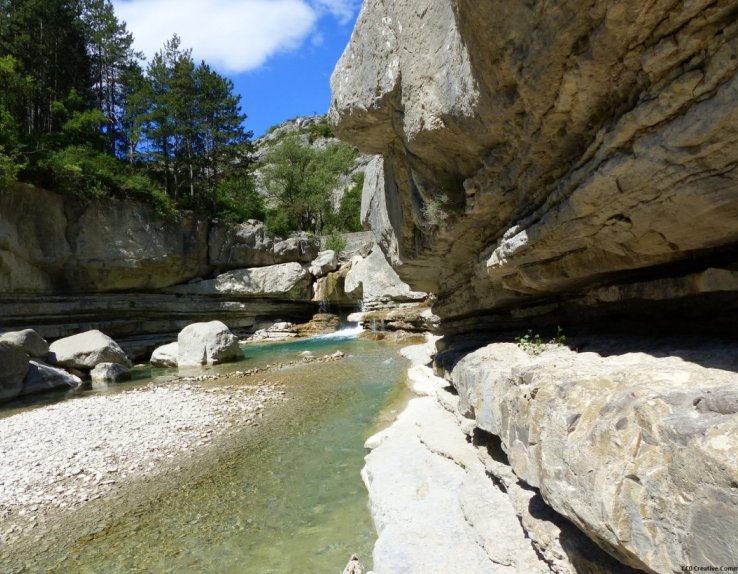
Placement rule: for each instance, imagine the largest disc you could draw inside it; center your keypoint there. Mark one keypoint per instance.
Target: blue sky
(279, 53)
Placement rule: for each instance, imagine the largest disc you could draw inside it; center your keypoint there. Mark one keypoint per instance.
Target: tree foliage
(300, 180)
(80, 113)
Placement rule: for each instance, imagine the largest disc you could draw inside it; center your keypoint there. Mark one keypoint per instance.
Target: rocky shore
(61, 457)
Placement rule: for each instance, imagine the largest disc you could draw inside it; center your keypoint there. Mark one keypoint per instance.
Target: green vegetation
(80, 115)
(435, 211)
(533, 344)
(299, 180)
(335, 241)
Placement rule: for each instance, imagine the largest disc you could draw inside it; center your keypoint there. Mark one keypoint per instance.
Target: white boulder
(207, 343)
(29, 341)
(325, 262)
(85, 350)
(165, 356)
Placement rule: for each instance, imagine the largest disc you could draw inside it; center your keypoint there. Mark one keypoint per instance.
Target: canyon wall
(543, 159)
(554, 162)
(68, 265)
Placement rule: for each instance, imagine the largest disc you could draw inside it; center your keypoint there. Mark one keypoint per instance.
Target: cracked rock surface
(637, 449)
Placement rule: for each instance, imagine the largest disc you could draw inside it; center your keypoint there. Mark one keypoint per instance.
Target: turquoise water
(284, 497)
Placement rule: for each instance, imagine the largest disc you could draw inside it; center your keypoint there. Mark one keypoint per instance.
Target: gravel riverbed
(58, 458)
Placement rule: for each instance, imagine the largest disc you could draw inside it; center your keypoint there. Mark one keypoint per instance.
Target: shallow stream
(284, 497)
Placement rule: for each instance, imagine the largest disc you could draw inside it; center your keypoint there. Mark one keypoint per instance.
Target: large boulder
(302, 248)
(42, 378)
(373, 280)
(29, 341)
(165, 356)
(207, 343)
(109, 373)
(639, 452)
(85, 350)
(14, 363)
(284, 281)
(325, 262)
(240, 246)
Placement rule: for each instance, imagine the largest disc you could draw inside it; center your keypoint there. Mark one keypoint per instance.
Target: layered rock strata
(538, 153)
(637, 450)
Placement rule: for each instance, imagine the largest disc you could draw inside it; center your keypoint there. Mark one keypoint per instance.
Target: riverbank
(281, 496)
(434, 507)
(59, 458)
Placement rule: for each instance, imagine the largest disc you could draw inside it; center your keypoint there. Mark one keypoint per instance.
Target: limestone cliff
(558, 162)
(548, 155)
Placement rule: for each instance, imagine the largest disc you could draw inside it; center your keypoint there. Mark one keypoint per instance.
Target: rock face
(53, 244)
(570, 150)
(207, 344)
(373, 280)
(301, 248)
(14, 363)
(86, 350)
(244, 245)
(284, 281)
(639, 452)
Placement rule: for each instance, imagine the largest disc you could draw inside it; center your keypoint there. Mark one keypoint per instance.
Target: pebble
(62, 456)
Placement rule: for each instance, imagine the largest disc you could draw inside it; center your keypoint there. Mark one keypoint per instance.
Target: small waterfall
(360, 306)
(382, 326)
(374, 325)
(324, 306)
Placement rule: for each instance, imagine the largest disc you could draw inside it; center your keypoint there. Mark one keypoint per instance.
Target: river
(284, 497)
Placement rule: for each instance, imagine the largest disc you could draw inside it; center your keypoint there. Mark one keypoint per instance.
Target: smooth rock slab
(434, 507)
(85, 350)
(41, 378)
(207, 343)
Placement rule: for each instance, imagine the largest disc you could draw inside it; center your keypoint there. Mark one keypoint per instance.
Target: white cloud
(232, 35)
(343, 10)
